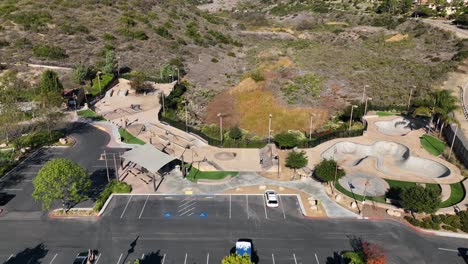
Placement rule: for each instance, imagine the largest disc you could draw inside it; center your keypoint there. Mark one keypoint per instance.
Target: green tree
(286, 140)
(419, 199)
(236, 259)
(138, 82)
(351, 257)
(61, 179)
(11, 89)
(50, 89)
(80, 73)
(328, 170)
(462, 19)
(235, 133)
(296, 160)
(111, 64)
(167, 72)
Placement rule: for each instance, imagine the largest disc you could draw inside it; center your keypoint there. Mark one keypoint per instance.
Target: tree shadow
(99, 181)
(335, 259)
(463, 253)
(152, 258)
(5, 198)
(29, 255)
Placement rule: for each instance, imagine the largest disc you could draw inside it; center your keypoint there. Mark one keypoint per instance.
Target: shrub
(235, 133)
(214, 60)
(286, 140)
(141, 35)
(38, 139)
(449, 228)
(163, 32)
(113, 187)
(463, 216)
(49, 52)
(32, 20)
(256, 75)
(420, 199)
(108, 37)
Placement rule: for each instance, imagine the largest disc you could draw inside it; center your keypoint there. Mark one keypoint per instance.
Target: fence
(460, 145)
(462, 98)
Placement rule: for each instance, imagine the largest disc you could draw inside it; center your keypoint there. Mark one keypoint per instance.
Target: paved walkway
(174, 184)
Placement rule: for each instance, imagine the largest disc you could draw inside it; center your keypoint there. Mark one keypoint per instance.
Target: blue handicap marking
(203, 215)
(167, 214)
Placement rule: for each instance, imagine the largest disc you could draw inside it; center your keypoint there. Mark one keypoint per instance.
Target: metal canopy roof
(148, 157)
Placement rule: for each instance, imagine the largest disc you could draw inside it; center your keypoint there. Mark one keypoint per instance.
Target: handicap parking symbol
(167, 214)
(203, 215)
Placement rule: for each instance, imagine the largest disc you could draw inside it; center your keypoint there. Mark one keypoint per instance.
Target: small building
(74, 98)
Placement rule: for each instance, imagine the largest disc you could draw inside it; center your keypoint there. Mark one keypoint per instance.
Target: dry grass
(397, 37)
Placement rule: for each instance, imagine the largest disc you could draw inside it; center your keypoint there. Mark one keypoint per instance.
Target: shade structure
(148, 157)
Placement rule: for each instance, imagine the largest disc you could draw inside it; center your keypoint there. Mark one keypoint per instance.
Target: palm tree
(444, 104)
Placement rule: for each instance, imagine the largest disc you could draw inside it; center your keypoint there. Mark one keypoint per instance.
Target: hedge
(113, 187)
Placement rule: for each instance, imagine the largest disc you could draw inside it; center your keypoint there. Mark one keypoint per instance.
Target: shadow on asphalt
(335, 259)
(152, 258)
(29, 255)
(463, 252)
(99, 182)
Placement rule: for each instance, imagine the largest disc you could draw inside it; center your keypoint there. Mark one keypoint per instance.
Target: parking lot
(234, 207)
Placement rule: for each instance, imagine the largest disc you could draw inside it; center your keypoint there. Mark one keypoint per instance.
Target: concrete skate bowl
(390, 158)
(399, 126)
(363, 184)
(225, 155)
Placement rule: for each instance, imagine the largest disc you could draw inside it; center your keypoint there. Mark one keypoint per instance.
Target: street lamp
(269, 127)
(409, 99)
(220, 115)
(99, 79)
(163, 108)
(186, 115)
(364, 93)
(365, 108)
(453, 140)
(178, 79)
(351, 117)
(310, 128)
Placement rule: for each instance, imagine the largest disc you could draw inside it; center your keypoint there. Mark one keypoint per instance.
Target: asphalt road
(88, 150)
(203, 229)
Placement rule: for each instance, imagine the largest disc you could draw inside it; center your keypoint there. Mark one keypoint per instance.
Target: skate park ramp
(399, 126)
(388, 157)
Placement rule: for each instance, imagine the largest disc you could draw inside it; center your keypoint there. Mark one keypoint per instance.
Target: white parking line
(295, 260)
(125, 209)
(164, 258)
(248, 215)
(448, 249)
(143, 208)
(12, 190)
(118, 261)
(282, 206)
(54, 258)
(143, 257)
(185, 207)
(208, 258)
(98, 257)
(273, 258)
(229, 206)
(10, 257)
(316, 258)
(264, 206)
(186, 202)
(185, 261)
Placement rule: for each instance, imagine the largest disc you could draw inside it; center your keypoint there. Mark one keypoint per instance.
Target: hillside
(334, 49)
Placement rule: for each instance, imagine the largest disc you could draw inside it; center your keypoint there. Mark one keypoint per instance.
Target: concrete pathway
(174, 184)
(446, 190)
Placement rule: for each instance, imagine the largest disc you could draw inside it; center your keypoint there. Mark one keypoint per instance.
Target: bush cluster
(449, 222)
(113, 187)
(38, 139)
(49, 52)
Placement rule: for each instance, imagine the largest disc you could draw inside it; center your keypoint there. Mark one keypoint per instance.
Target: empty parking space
(226, 207)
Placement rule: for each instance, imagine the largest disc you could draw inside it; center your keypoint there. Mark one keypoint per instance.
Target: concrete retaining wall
(460, 147)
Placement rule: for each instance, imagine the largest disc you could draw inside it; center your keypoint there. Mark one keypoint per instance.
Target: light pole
(178, 79)
(269, 127)
(453, 141)
(163, 108)
(310, 128)
(99, 79)
(365, 108)
(351, 117)
(365, 189)
(409, 99)
(186, 115)
(364, 93)
(220, 115)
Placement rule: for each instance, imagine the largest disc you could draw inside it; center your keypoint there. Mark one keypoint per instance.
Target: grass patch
(383, 113)
(100, 85)
(129, 138)
(457, 193)
(400, 184)
(90, 114)
(195, 174)
(432, 145)
(380, 199)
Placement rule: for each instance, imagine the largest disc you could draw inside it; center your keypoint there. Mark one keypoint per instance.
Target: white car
(271, 198)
